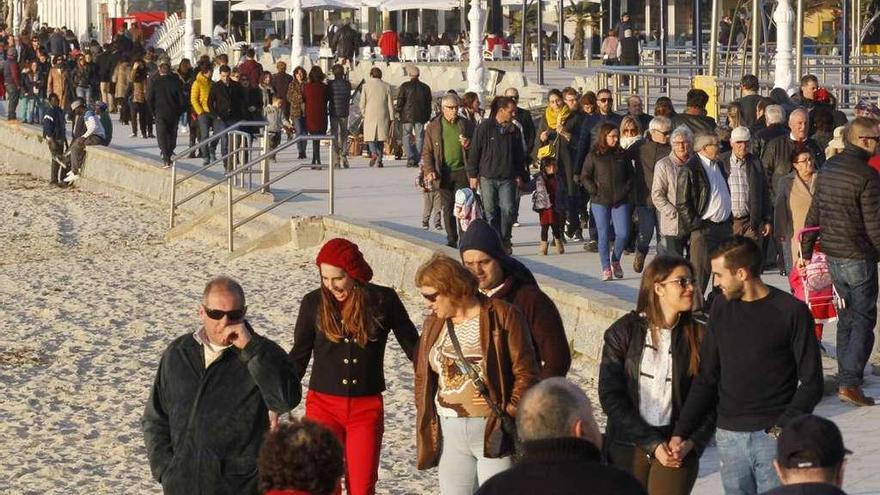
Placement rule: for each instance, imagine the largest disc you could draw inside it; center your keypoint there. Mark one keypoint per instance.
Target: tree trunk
(577, 48)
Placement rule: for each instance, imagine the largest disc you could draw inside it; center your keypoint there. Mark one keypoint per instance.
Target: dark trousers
(556, 228)
(205, 122)
(573, 210)
(124, 111)
(78, 151)
(648, 228)
(655, 477)
(139, 115)
(856, 283)
(12, 94)
(56, 148)
(456, 180)
(166, 135)
(703, 241)
(671, 246)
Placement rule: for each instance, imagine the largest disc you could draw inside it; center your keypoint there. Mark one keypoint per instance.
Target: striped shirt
(738, 182)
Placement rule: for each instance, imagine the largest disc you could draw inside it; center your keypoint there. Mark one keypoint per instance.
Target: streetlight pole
(713, 40)
(783, 16)
(698, 33)
(189, 36)
(799, 41)
(296, 41)
(540, 60)
(757, 15)
(476, 73)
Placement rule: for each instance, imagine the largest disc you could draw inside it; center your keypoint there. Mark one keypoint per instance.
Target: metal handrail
(231, 225)
(231, 151)
(218, 135)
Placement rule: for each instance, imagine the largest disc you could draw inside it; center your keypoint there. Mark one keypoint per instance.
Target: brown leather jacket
(510, 367)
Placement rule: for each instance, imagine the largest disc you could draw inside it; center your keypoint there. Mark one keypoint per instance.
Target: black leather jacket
(414, 102)
(694, 191)
(619, 385)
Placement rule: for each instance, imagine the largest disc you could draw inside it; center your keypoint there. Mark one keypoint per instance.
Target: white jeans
(463, 468)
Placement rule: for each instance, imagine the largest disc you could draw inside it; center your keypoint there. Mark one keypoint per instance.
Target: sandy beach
(91, 295)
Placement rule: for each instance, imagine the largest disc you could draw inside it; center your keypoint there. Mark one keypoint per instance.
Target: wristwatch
(774, 432)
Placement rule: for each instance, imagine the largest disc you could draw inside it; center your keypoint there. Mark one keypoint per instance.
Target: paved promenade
(388, 197)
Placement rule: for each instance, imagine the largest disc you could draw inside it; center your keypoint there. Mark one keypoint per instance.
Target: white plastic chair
(409, 54)
(434, 53)
(458, 54)
(366, 53)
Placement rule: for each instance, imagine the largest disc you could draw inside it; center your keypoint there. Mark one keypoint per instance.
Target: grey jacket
(203, 427)
(664, 195)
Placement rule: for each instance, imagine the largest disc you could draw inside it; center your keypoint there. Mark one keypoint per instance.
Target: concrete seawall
(395, 256)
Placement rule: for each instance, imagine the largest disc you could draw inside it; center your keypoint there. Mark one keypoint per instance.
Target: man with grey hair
(414, 110)
(776, 155)
(562, 447)
(704, 207)
(645, 154)
(211, 400)
(664, 192)
(444, 155)
(749, 195)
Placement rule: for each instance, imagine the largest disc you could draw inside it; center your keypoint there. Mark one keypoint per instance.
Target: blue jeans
(25, 108)
(462, 466)
(299, 124)
(413, 152)
(618, 216)
(647, 228)
(220, 126)
(746, 461)
(856, 283)
(499, 200)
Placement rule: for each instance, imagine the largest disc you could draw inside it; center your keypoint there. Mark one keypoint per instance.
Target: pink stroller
(813, 285)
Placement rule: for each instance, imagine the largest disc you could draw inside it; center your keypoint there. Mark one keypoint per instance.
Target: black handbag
(508, 425)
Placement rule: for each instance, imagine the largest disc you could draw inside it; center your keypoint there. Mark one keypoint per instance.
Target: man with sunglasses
(211, 400)
(846, 208)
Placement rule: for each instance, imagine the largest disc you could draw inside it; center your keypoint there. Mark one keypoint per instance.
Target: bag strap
(471, 372)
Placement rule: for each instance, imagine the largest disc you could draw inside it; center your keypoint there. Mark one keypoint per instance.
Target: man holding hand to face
(209, 407)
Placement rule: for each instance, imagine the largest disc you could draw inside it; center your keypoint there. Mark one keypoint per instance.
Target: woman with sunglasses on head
(345, 325)
(476, 361)
(649, 360)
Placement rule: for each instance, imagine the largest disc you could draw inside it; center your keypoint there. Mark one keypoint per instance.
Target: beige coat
(122, 79)
(377, 109)
(793, 201)
(57, 84)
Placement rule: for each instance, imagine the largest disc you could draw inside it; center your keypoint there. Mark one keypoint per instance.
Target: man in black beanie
(501, 276)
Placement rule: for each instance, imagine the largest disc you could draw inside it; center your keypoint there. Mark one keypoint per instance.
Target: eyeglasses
(431, 297)
(218, 314)
(665, 133)
(683, 282)
(870, 138)
(604, 100)
(805, 160)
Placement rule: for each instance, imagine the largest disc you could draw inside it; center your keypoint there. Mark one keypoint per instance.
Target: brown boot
(542, 248)
(560, 248)
(855, 396)
(638, 262)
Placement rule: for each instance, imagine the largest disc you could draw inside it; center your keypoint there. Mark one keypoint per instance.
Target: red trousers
(358, 423)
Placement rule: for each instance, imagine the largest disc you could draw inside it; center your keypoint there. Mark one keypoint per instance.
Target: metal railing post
(173, 193)
(265, 164)
(229, 215)
(331, 185)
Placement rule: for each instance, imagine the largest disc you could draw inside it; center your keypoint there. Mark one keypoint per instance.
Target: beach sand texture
(90, 295)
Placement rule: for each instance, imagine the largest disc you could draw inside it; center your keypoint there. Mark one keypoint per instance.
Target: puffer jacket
(693, 196)
(846, 207)
(340, 98)
(608, 178)
(646, 154)
(511, 368)
(414, 102)
(199, 94)
(619, 385)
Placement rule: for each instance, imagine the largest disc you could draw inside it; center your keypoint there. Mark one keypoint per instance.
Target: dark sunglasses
(665, 133)
(217, 314)
(683, 282)
(604, 99)
(431, 297)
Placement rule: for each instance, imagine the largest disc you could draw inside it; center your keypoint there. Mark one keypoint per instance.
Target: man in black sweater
(165, 97)
(561, 444)
(759, 362)
(846, 207)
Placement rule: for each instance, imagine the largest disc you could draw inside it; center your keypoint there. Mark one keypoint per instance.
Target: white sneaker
(516, 224)
(132, 135)
(70, 177)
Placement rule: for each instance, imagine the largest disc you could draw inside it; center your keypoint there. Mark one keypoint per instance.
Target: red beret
(345, 254)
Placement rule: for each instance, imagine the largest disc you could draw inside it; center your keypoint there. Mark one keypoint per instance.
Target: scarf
(556, 117)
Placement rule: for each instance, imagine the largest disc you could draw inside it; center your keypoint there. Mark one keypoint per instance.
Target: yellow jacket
(198, 96)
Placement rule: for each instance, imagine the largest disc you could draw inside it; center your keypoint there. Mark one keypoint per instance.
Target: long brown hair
(601, 147)
(355, 319)
(649, 306)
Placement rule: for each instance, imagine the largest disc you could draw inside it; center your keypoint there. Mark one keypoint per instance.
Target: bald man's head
(557, 408)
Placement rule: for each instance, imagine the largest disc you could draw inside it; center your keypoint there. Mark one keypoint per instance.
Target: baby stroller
(813, 285)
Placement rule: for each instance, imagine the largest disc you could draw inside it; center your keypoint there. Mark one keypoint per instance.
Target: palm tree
(515, 19)
(582, 13)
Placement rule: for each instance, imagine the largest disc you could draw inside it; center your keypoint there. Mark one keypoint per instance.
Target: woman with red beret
(345, 325)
